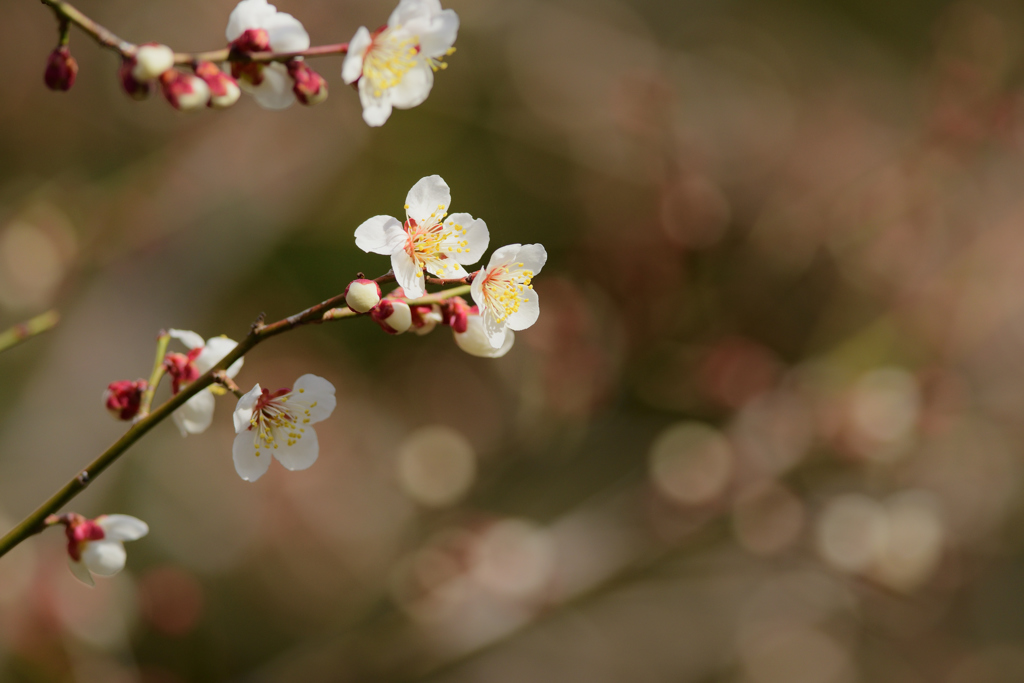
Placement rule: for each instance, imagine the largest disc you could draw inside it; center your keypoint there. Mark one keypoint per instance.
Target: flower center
(272, 420)
(504, 289)
(427, 242)
(389, 58)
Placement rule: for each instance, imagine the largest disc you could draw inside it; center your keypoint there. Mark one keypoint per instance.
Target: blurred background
(767, 429)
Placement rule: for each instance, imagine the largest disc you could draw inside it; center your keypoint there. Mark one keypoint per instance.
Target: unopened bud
(425, 318)
(184, 91)
(394, 317)
(224, 90)
(361, 295)
(151, 60)
(252, 40)
(136, 89)
(454, 313)
(310, 87)
(124, 397)
(61, 69)
(474, 340)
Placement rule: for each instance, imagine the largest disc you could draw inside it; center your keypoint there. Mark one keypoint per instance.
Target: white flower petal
(286, 33)
(408, 275)
(310, 389)
(503, 256)
(376, 110)
(275, 92)
(248, 464)
(439, 35)
(248, 14)
(414, 87)
(477, 237)
(380, 235)
(428, 198)
(352, 67)
(528, 312)
(243, 410)
(302, 452)
(474, 340)
(81, 572)
(533, 257)
(411, 10)
(122, 527)
(495, 331)
(448, 268)
(214, 351)
(105, 557)
(195, 416)
(190, 339)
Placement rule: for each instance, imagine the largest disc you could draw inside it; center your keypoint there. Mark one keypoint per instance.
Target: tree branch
(30, 328)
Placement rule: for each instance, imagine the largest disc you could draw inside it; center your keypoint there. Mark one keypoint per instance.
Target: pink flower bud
(80, 530)
(425, 318)
(61, 69)
(362, 295)
(136, 89)
(151, 61)
(310, 87)
(184, 91)
(182, 368)
(251, 40)
(124, 397)
(394, 317)
(454, 312)
(224, 90)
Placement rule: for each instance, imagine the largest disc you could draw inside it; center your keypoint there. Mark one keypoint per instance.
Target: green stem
(30, 328)
(156, 375)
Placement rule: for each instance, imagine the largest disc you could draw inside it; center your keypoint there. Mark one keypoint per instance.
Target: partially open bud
(184, 91)
(394, 317)
(151, 60)
(425, 318)
(310, 87)
(251, 40)
(361, 295)
(61, 69)
(454, 312)
(224, 90)
(136, 89)
(474, 340)
(182, 368)
(124, 397)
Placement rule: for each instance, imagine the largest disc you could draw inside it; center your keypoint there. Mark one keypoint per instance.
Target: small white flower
(269, 84)
(96, 546)
(395, 66)
(475, 342)
(151, 60)
(280, 424)
(195, 416)
(427, 239)
(503, 292)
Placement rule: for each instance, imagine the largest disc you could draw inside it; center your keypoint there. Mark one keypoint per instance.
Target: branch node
(83, 478)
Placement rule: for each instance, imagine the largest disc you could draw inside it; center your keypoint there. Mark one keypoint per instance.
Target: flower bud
(224, 90)
(474, 339)
(251, 40)
(184, 91)
(454, 313)
(151, 60)
(425, 318)
(310, 87)
(124, 397)
(182, 368)
(61, 69)
(136, 89)
(394, 317)
(361, 295)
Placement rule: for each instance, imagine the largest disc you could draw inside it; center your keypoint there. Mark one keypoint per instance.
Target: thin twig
(30, 328)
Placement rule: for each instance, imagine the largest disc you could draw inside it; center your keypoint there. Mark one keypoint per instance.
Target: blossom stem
(155, 376)
(345, 312)
(68, 14)
(220, 377)
(23, 331)
(38, 520)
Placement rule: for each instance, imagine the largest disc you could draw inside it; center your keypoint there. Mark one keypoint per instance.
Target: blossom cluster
(430, 245)
(392, 67)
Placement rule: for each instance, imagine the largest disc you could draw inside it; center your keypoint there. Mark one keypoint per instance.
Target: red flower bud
(61, 69)
(224, 90)
(362, 295)
(310, 87)
(184, 91)
(394, 317)
(181, 368)
(454, 313)
(251, 40)
(78, 529)
(124, 397)
(136, 89)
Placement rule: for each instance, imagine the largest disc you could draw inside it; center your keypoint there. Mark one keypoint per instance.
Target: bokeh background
(768, 428)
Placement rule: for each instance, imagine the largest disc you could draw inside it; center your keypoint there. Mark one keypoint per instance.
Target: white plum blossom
(503, 291)
(427, 239)
(280, 424)
(475, 341)
(195, 416)
(269, 84)
(395, 65)
(96, 546)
